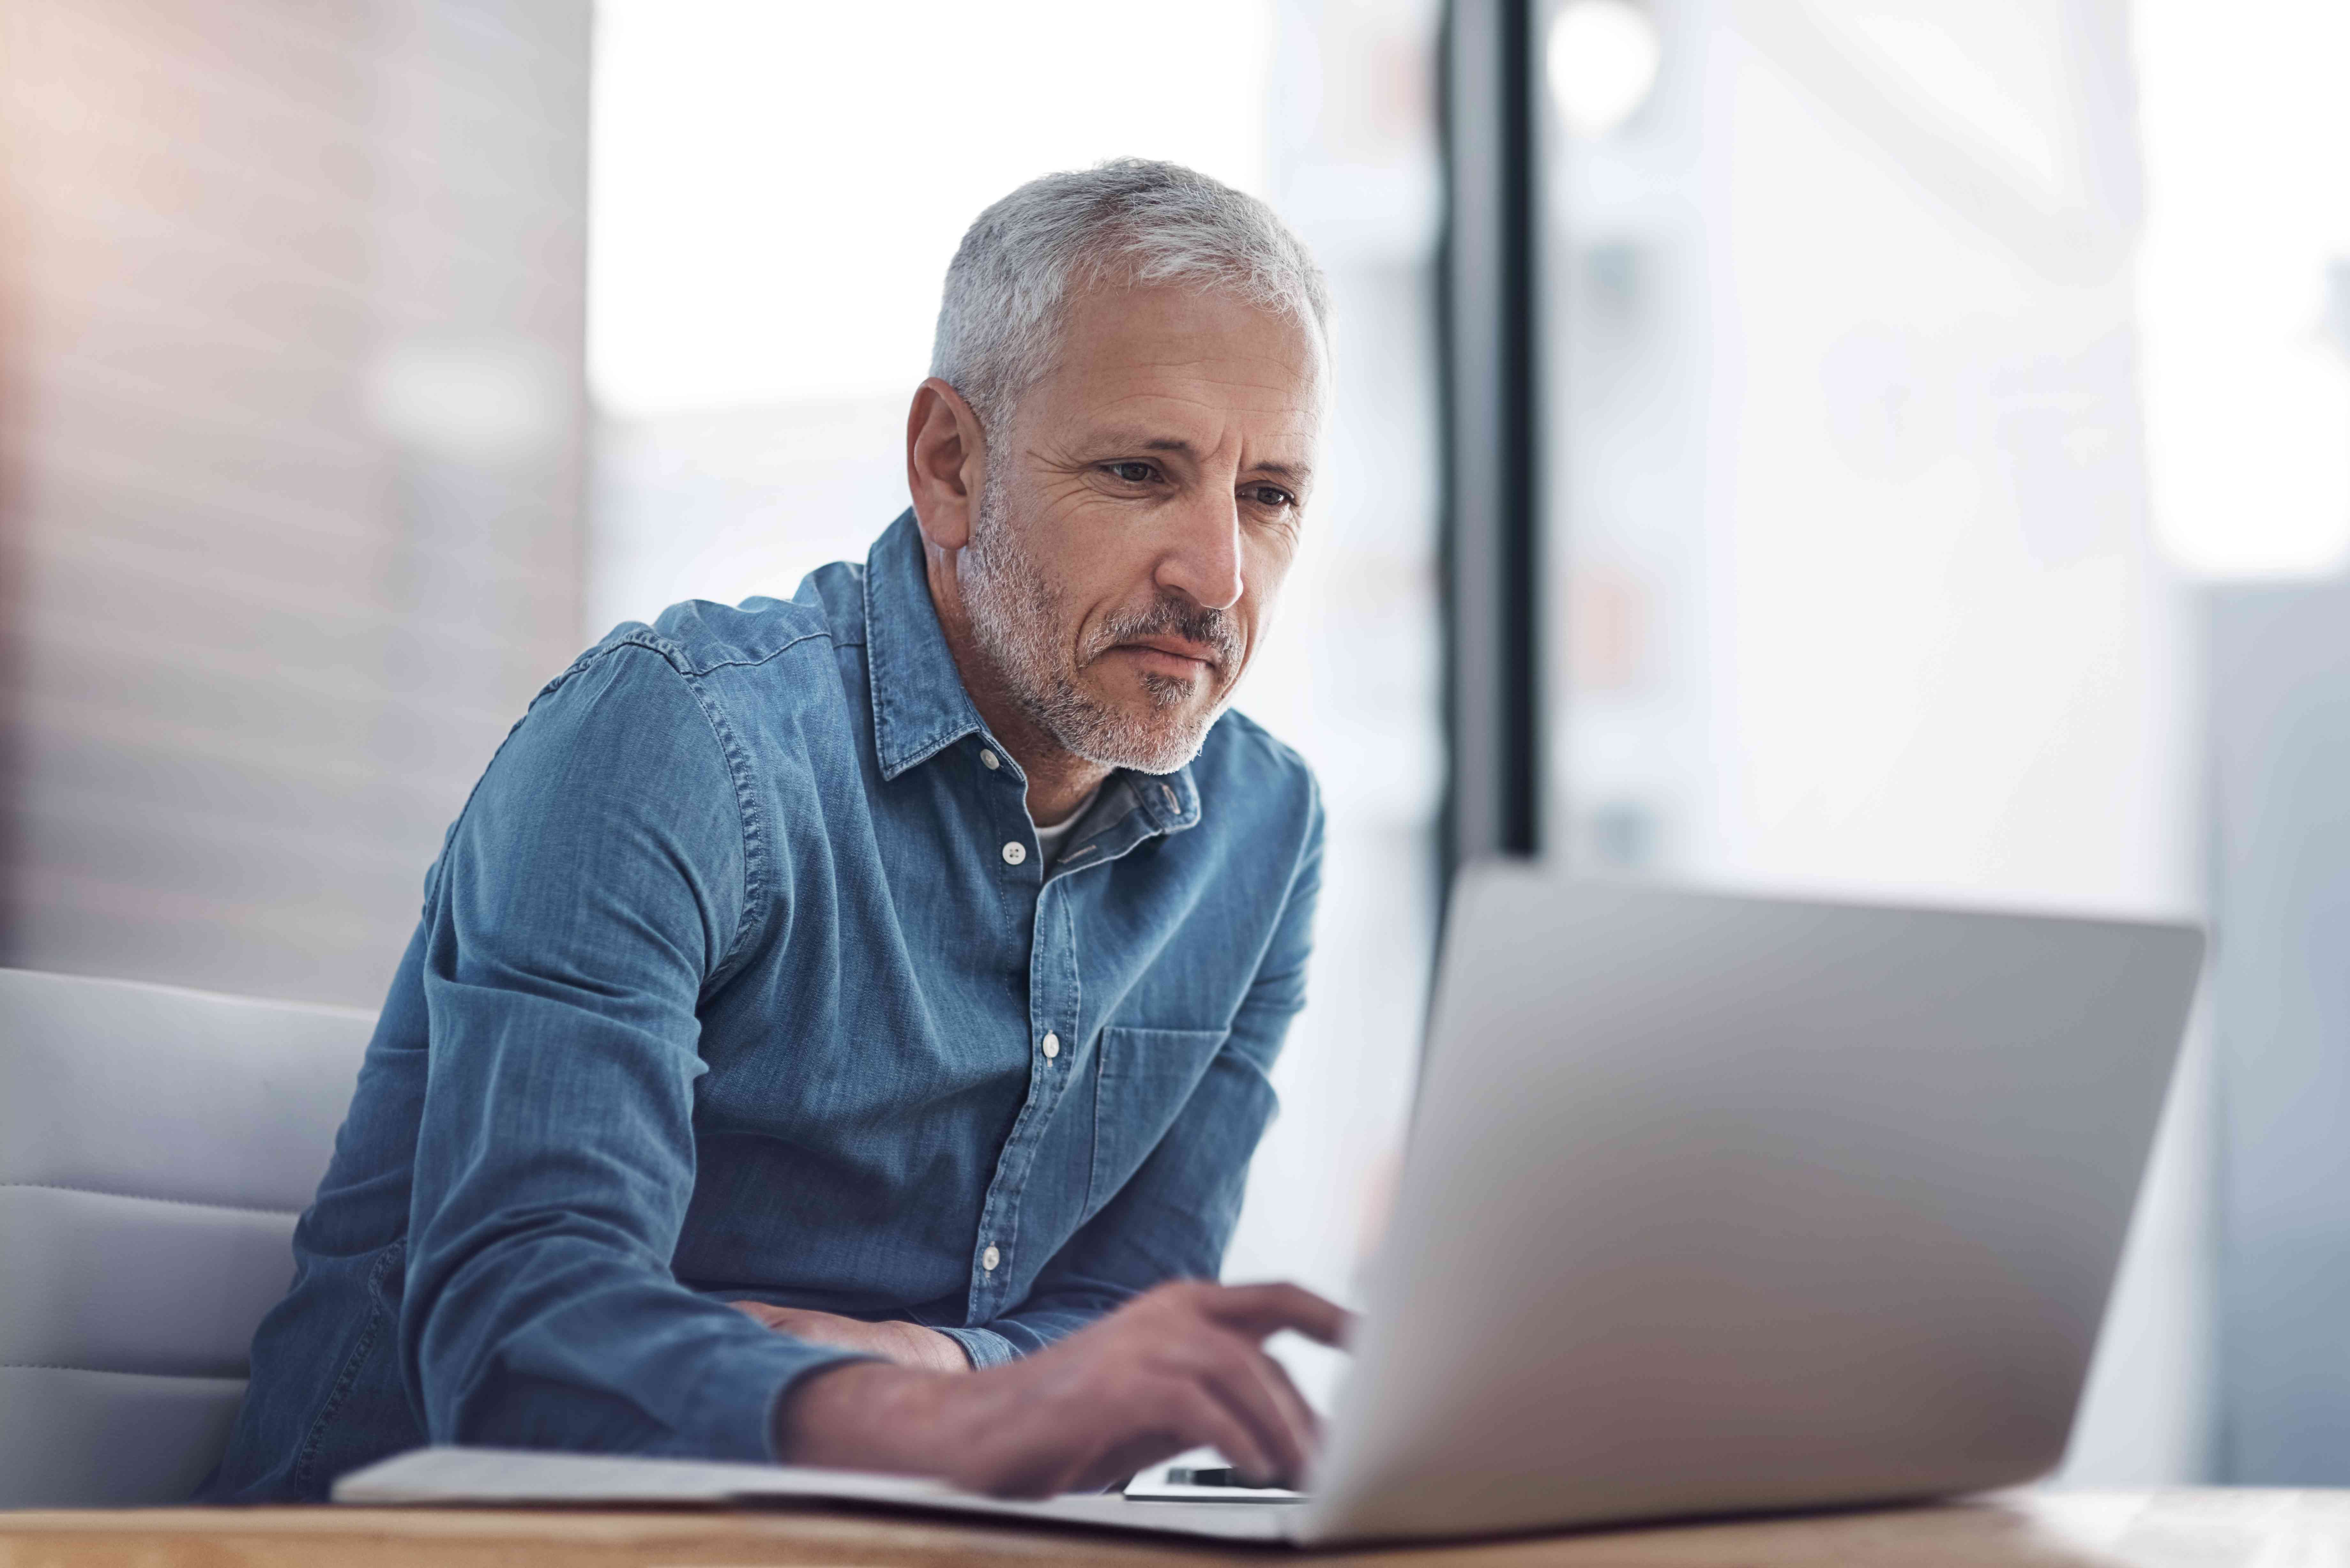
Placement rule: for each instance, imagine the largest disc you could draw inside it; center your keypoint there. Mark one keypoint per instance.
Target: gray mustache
(1175, 617)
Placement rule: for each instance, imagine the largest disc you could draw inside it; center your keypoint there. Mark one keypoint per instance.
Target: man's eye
(1132, 472)
(1271, 496)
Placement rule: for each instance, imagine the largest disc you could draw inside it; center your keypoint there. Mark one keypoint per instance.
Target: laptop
(1713, 1205)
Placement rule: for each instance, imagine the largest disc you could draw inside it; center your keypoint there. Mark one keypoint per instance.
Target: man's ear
(945, 464)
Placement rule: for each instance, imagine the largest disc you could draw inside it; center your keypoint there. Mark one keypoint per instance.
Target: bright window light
(2241, 284)
(771, 217)
(1602, 58)
(1981, 97)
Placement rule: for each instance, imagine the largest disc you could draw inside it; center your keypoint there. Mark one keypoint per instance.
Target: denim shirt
(739, 976)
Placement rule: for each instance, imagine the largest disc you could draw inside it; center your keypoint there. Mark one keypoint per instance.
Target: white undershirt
(1050, 839)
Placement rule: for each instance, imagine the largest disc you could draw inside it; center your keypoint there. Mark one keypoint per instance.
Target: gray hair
(1141, 221)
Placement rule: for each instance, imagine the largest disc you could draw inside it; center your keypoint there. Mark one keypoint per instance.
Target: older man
(838, 1029)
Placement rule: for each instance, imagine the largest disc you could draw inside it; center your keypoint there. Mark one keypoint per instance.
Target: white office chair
(155, 1146)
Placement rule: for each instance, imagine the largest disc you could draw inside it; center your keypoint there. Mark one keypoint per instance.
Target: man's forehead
(1161, 364)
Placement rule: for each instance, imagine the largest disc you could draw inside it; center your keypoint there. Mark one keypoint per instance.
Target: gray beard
(1016, 619)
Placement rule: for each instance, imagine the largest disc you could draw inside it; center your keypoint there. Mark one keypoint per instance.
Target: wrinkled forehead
(1219, 366)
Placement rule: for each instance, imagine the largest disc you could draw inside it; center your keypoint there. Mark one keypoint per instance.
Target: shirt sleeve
(1174, 1218)
(598, 881)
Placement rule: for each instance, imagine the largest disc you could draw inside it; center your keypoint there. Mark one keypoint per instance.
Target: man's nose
(1203, 561)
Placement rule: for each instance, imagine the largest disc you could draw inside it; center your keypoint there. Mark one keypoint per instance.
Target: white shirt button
(989, 1259)
(1052, 1047)
(987, 760)
(1015, 852)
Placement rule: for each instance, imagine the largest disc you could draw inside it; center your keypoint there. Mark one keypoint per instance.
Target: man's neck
(1059, 783)
(1058, 780)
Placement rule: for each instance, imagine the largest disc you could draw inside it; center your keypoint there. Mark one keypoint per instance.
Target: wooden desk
(2188, 1529)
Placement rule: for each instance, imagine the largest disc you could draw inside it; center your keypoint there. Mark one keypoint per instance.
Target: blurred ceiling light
(2245, 375)
(1602, 58)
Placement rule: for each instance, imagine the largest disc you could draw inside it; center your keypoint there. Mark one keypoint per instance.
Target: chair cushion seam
(118, 1372)
(150, 1198)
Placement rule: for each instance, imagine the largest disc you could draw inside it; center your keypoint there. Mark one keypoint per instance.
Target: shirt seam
(756, 893)
(756, 889)
(379, 1312)
(691, 668)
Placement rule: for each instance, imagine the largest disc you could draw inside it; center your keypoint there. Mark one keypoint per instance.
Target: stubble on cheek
(1051, 658)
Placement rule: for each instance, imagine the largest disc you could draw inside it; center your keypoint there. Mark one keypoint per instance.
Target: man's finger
(1261, 1311)
(1204, 1419)
(1286, 1391)
(1113, 1467)
(1254, 1384)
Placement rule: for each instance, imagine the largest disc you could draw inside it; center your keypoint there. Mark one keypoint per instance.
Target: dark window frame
(1489, 321)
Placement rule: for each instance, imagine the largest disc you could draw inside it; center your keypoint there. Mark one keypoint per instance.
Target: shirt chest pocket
(1142, 1077)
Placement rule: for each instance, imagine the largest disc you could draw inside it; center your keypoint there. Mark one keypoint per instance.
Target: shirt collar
(1170, 801)
(920, 706)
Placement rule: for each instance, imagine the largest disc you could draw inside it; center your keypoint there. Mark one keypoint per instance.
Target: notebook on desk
(510, 1478)
(1713, 1205)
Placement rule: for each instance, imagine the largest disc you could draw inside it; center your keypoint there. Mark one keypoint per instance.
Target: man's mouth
(1170, 658)
(1178, 654)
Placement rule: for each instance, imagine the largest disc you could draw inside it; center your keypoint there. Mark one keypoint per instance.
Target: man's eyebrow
(1296, 474)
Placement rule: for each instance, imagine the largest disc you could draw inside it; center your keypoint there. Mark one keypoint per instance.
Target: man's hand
(1178, 1367)
(908, 1345)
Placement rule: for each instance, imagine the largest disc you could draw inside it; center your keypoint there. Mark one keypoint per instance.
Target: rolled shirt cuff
(746, 1411)
(984, 1346)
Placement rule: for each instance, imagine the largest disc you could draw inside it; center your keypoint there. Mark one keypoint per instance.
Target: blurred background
(1944, 419)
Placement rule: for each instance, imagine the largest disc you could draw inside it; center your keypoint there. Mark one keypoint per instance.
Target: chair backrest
(155, 1146)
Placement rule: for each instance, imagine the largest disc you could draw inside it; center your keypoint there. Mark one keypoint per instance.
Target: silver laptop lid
(1721, 1203)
